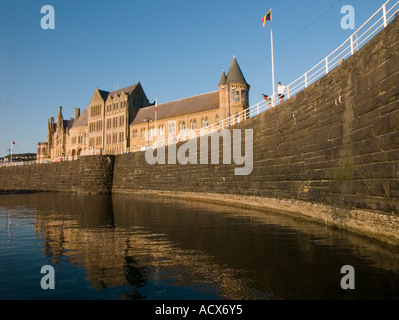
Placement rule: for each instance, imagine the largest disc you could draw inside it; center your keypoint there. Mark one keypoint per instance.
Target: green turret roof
(235, 73)
(223, 78)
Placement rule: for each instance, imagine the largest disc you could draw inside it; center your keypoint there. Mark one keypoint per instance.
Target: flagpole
(156, 113)
(271, 37)
(11, 153)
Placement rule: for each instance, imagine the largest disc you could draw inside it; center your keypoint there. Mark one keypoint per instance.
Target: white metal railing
(16, 163)
(376, 22)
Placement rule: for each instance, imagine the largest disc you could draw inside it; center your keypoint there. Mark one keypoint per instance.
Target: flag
(268, 16)
(14, 142)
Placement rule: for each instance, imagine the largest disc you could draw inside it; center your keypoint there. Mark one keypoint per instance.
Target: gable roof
(82, 120)
(203, 102)
(126, 90)
(104, 94)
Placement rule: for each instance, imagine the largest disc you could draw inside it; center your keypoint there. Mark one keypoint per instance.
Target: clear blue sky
(175, 48)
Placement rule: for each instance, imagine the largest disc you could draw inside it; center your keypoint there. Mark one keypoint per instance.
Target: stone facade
(77, 135)
(182, 119)
(124, 120)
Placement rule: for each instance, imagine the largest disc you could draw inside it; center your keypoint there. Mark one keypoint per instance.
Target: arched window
(172, 127)
(182, 126)
(161, 130)
(193, 124)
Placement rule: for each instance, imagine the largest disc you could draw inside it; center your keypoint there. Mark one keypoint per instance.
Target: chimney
(77, 113)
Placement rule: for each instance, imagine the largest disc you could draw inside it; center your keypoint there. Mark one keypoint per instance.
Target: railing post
(384, 13)
(326, 65)
(257, 108)
(306, 79)
(288, 92)
(352, 44)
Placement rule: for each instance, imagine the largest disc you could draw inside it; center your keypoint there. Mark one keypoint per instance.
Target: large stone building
(124, 120)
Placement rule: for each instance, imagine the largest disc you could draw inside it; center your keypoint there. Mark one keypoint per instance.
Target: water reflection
(168, 248)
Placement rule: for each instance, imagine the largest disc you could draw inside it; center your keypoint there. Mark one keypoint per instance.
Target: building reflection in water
(227, 252)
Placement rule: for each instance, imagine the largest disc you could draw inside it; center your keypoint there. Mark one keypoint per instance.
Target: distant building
(123, 119)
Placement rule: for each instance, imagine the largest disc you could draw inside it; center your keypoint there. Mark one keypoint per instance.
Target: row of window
(79, 140)
(97, 141)
(95, 110)
(110, 139)
(115, 138)
(172, 128)
(235, 96)
(96, 126)
(41, 150)
(116, 106)
(115, 122)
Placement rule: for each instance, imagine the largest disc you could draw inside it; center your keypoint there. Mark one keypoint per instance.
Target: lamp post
(148, 120)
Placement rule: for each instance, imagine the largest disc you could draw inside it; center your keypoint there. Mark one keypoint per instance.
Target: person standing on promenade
(281, 92)
(267, 98)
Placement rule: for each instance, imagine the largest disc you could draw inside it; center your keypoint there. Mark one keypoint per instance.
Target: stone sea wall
(330, 152)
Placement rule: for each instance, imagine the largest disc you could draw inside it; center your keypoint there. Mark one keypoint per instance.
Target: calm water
(126, 247)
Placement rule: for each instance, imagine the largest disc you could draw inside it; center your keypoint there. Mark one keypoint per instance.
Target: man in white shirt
(280, 90)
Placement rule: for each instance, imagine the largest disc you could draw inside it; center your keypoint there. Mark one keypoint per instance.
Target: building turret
(233, 91)
(60, 119)
(223, 79)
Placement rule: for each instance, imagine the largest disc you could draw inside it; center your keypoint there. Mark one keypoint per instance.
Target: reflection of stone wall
(127, 240)
(88, 174)
(80, 229)
(115, 248)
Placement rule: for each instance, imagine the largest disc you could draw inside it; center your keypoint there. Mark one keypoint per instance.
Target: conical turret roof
(235, 73)
(223, 78)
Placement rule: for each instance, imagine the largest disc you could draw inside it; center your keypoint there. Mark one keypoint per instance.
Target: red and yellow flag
(268, 16)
